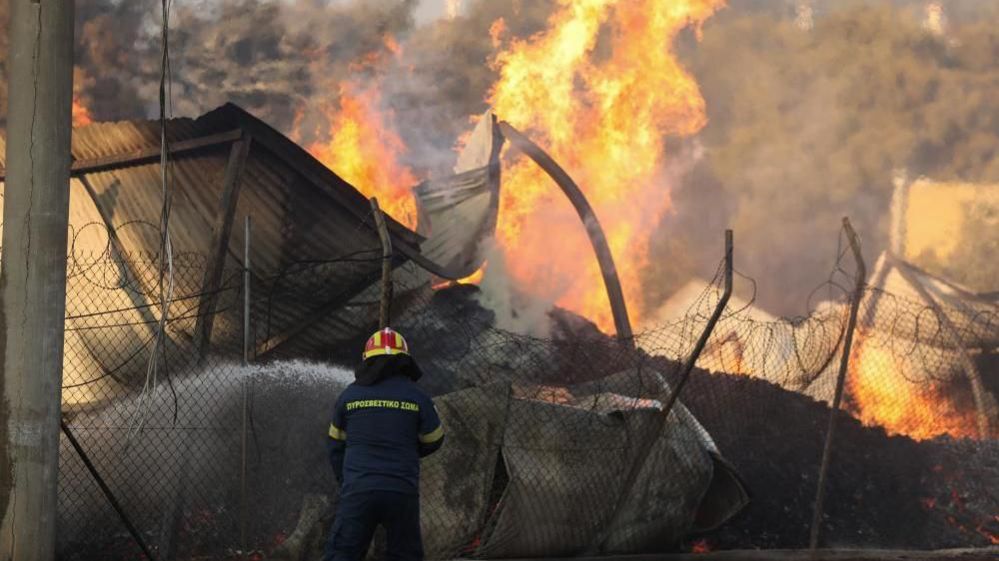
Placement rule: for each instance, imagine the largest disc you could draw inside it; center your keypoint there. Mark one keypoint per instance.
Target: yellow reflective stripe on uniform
(433, 436)
(336, 433)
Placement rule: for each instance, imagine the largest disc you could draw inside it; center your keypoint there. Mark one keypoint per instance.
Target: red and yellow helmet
(385, 342)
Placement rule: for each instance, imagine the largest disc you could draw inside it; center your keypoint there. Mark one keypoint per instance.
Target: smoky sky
(806, 123)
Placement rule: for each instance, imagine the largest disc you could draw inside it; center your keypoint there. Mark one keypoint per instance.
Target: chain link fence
(556, 446)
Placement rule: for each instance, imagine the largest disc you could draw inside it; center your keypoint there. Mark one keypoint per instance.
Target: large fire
(882, 396)
(600, 89)
(363, 146)
(364, 150)
(604, 117)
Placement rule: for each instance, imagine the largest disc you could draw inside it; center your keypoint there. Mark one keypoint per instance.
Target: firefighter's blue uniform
(377, 436)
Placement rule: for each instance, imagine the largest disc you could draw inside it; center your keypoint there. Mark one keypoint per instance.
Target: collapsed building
(510, 470)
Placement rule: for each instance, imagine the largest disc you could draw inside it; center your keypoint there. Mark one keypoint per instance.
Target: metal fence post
(246, 361)
(858, 294)
(708, 329)
(246, 292)
(242, 475)
(645, 448)
(605, 259)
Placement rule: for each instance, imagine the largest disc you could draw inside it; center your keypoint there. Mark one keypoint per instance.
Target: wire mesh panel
(159, 427)
(555, 446)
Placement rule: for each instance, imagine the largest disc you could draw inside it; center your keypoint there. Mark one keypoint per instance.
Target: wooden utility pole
(33, 274)
(385, 310)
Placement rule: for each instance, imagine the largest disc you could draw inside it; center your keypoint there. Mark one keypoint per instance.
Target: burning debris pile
(922, 358)
(886, 491)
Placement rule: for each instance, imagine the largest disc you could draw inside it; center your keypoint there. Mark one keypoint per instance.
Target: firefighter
(382, 425)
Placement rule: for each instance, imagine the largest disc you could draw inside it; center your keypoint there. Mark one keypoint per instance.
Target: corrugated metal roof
(301, 212)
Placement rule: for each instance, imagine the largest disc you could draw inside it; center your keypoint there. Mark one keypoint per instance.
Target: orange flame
(603, 115)
(474, 278)
(700, 546)
(496, 32)
(992, 536)
(364, 149)
(604, 118)
(883, 396)
(81, 115)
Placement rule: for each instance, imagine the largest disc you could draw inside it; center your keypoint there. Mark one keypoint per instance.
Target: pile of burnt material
(883, 491)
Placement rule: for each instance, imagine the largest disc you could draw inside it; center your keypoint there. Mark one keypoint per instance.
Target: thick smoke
(812, 104)
(513, 309)
(443, 75)
(277, 59)
(284, 61)
(807, 124)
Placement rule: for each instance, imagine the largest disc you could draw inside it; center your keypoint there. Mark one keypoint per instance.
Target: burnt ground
(883, 491)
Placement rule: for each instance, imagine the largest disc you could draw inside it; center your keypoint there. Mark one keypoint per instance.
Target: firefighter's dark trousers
(359, 514)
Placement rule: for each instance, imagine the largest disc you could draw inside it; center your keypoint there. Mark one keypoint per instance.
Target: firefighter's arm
(336, 453)
(431, 430)
(336, 444)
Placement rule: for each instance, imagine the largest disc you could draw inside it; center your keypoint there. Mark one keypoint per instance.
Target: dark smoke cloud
(115, 57)
(805, 126)
(274, 57)
(444, 75)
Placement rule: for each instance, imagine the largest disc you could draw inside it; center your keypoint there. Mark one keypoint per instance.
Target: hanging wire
(166, 273)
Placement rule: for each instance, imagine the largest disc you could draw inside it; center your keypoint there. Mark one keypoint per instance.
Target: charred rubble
(884, 491)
